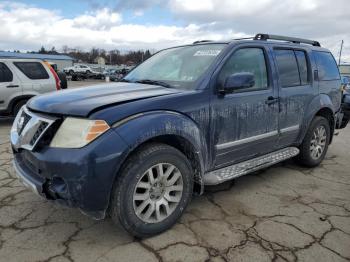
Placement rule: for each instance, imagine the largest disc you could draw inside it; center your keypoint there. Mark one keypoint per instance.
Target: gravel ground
(284, 213)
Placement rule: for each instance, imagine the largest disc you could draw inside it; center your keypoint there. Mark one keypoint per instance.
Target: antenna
(341, 50)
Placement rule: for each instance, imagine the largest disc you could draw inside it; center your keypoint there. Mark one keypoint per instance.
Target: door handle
(271, 100)
(12, 86)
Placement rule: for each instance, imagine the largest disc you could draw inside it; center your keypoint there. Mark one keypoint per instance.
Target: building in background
(61, 61)
(344, 69)
(100, 60)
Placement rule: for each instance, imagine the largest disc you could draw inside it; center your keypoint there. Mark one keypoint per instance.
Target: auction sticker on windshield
(207, 52)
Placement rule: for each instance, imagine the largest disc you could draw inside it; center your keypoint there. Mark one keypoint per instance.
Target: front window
(178, 67)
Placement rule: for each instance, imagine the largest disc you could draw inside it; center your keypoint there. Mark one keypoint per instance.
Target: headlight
(78, 132)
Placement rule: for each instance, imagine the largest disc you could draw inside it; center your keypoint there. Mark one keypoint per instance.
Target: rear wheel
(152, 191)
(63, 78)
(18, 106)
(316, 141)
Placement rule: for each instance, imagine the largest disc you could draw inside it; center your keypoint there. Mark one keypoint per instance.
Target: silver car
(21, 79)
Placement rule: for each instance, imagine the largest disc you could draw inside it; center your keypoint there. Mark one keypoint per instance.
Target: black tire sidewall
(123, 199)
(305, 155)
(18, 106)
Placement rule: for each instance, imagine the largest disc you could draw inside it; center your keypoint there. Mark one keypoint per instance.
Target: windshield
(178, 67)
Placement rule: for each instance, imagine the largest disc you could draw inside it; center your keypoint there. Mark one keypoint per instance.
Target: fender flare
(320, 102)
(140, 128)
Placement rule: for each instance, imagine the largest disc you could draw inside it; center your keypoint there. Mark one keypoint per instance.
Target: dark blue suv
(189, 116)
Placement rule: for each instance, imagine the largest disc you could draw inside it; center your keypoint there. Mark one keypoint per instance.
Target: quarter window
(326, 65)
(33, 70)
(5, 73)
(303, 69)
(247, 60)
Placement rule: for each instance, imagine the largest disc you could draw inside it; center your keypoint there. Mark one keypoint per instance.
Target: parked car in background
(21, 79)
(188, 117)
(78, 69)
(96, 75)
(109, 71)
(112, 74)
(346, 99)
(346, 82)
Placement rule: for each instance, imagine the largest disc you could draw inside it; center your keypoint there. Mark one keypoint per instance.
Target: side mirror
(238, 81)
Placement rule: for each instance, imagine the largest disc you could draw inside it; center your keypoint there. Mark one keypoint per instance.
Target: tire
(63, 78)
(18, 106)
(71, 72)
(88, 72)
(135, 173)
(307, 156)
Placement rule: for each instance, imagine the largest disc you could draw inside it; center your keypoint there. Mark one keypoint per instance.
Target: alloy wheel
(318, 142)
(158, 193)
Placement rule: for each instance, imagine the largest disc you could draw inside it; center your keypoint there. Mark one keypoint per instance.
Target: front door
(9, 86)
(245, 122)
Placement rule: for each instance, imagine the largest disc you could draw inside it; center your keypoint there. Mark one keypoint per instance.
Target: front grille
(29, 128)
(38, 132)
(25, 121)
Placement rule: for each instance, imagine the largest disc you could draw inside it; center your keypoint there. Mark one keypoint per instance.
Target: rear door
(245, 123)
(10, 86)
(296, 90)
(38, 75)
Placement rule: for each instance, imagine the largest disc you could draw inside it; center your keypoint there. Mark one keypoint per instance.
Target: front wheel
(153, 190)
(316, 141)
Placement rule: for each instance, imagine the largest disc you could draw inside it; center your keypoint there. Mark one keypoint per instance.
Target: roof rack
(244, 38)
(201, 41)
(286, 38)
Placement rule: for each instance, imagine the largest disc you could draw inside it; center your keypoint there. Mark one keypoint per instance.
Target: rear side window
(287, 68)
(33, 70)
(292, 67)
(5, 73)
(326, 65)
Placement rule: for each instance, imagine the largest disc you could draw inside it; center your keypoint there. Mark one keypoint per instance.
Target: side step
(227, 173)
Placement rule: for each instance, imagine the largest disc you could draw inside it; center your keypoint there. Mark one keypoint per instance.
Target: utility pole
(341, 50)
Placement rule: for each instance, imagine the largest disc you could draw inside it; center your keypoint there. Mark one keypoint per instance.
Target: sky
(156, 24)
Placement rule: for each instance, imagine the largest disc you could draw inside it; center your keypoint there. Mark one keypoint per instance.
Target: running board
(227, 173)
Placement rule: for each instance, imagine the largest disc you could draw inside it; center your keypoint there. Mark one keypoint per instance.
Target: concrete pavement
(284, 213)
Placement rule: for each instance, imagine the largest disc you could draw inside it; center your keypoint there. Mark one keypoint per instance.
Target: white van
(21, 79)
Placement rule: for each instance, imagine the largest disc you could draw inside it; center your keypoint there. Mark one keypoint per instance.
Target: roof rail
(201, 41)
(244, 38)
(286, 38)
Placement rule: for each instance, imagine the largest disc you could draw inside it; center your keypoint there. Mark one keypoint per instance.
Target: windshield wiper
(124, 80)
(154, 82)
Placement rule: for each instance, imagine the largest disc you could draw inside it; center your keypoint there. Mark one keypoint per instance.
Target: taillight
(57, 79)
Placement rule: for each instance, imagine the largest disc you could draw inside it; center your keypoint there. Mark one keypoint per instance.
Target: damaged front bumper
(80, 178)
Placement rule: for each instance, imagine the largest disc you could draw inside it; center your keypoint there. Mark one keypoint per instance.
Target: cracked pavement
(283, 213)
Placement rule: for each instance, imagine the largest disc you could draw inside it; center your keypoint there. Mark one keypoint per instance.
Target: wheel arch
(327, 113)
(320, 105)
(170, 128)
(17, 99)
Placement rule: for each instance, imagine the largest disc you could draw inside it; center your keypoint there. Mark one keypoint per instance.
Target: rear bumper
(81, 178)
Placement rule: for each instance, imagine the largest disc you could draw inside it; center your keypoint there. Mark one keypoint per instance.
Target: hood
(82, 101)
